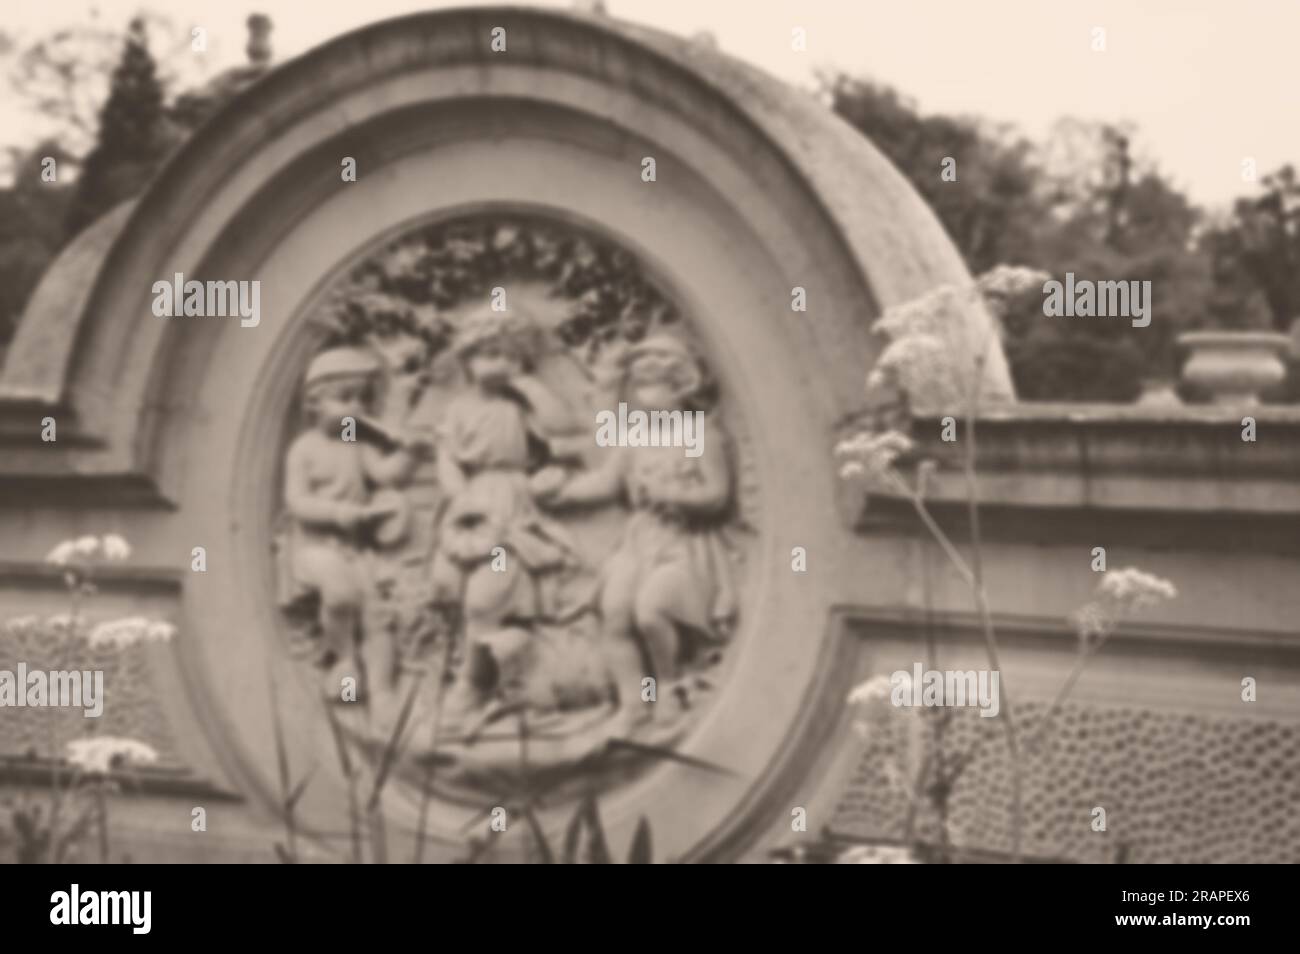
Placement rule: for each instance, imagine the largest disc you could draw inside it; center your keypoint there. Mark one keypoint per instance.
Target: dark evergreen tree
(132, 139)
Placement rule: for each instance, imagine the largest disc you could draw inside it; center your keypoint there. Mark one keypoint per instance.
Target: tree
(61, 78)
(31, 213)
(1080, 202)
(1260, 246)
(991, 210)
(132, 137)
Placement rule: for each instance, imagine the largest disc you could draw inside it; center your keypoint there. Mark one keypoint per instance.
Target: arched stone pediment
(758, 190)
(629, 82)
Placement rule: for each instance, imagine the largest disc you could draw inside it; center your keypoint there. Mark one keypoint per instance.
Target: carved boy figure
(493, 541)
(670, 574)
(329, 482)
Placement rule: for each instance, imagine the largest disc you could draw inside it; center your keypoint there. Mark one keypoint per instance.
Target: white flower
(62, 622)
(116, 547)
(880, 379)
(121, 633)
(936, 314)
(1130, 589)
(23, 625)
(916, 357)
(928, 369)
(1003, 285)
(1009, 281)
(874, 701)
(871, 454)
(936, 343)
(1092, 622)
(99, 754)
(878, 855)
(63, 553)
(86, 546)
(1119, 593)
(873, 690)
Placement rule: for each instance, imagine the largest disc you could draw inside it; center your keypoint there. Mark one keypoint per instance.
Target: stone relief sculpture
(496, 551)
(473, 554)
(329, 494)
(669, 578)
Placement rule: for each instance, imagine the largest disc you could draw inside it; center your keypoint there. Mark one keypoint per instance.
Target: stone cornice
(1053, 472)
(109, 577)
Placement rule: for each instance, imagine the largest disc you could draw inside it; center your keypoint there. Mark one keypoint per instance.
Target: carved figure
(494, 544)
(670, 576)
(329, 493)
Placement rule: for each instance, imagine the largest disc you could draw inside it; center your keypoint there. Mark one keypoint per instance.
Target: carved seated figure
(494, 544)
(329, 493)
(670, 575)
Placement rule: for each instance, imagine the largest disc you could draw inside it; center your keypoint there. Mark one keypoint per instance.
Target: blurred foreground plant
(89, 769)
(934, 361)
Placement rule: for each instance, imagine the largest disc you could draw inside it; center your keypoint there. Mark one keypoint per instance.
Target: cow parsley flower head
(870, 455)
(23, 625)
(873, 700)
(86, 546)
(878, 855)
(938, 341)
(1119, 594)
(931, 352)
(933, 314)
(121, 633)
(873, 690)
(116, 547)
(1092, 622)
(111, 546)
(63, 553)
(100, 754)
(1132, 589)
(1002, 284)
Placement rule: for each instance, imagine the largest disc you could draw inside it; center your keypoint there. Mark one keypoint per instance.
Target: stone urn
(1234, 367)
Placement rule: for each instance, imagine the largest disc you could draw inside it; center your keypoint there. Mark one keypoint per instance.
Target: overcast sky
(1207, 82)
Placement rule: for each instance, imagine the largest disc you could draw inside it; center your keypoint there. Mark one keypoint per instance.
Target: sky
(1207, 83)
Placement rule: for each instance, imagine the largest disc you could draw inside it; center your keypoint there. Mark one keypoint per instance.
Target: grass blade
(659, 752)
(641, 853)
(345, 763)
(539, 836)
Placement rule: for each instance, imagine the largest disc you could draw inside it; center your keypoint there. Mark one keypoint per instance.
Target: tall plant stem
(933, 760)
(982, 602)
(56, 801)
(101, 805)
(967, 573)
(282, 763)
(350, 776)
(426, 787)
(1080, 663)
(945, 544)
